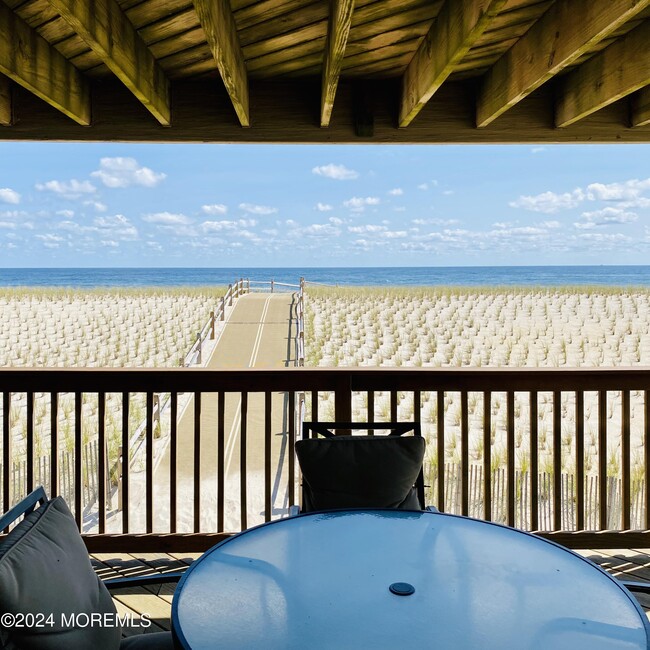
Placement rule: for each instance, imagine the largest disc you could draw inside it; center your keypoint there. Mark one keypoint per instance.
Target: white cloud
(398, 191)
(7, 224)
(71, 189)
(606, 216)
(394, 234)
(109, 243)
(218, 226)
(68, 214)
(8, 195)
(50, 241)
(359, 204)
(215, 208)
(167, 218)
(324, 207)
(117, 227)
(97, 205)
(617, 191)
(434, 222)
(337, 172)
(321, 230)
(124, 172)
(257, 209)
(537, 149)
(549, 202)
(423, 186)
(370, 228)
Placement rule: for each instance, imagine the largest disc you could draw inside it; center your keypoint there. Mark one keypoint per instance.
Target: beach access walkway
(260, 332)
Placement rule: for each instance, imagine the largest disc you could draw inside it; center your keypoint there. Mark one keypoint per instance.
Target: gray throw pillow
(45, 569)
(360, 472)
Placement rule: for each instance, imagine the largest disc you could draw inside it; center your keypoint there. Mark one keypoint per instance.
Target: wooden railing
(249, 471)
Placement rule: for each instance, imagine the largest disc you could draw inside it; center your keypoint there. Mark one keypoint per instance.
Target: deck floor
(155, 601)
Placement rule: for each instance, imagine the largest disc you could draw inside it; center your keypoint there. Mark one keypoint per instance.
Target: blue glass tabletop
(396, 579)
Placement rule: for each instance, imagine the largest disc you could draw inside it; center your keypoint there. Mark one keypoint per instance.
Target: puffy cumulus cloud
(337, 172)
(609, 215)
(394, 234)
(124, 172)
(167, 219)
(321, 230)
(367, 228)
(549, 202)
(359, 204)
(68, 214)
(423, 186)
(434, 222)
(116, 227)
(71, 189)
(627, 190)
(7, 195)
(50, 241)
(214, 208)
(257, 209)
(109, 243)
(98, 206)
(225, 225)
(324, 207)
(398, 191)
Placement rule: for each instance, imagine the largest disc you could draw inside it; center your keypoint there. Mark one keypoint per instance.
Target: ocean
(493, 276)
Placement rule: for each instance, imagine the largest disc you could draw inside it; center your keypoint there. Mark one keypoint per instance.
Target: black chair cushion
(360, 472)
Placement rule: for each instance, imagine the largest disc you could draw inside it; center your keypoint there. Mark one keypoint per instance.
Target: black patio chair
(45, 569)
(362, 471)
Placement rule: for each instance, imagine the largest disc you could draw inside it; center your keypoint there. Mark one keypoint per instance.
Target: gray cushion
(152, 641)
(45, 568)
(360, 472)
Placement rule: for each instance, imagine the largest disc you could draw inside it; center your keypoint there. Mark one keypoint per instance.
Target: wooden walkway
(624, 564)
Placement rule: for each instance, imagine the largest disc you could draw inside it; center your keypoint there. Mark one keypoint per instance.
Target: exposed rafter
(340, 21)
(29, 60)
(564, 33)
(457, 27)
(6, 108)
(109, 33)
(641, 108)
(618, 71)
(221, 33)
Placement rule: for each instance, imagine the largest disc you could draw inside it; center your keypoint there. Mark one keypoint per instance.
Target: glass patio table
(399, 579)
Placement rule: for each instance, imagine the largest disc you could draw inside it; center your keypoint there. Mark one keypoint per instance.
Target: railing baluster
(221, 461)
(197, 462)
(268, 435)
(510, 434)
(534, 463)
(464, 453)
(557, 460)
(371, 410)
(125, 462)
(646, 450)
(54, 444)
(441, 449)
(291, 450)
(242, 461)
(7, 453)
(487, 455)
(149, 461)
(173, 460)
(625, 464)
(101, 460)
(30, 442)
(602, 459)
(78, 447)
(580, 460)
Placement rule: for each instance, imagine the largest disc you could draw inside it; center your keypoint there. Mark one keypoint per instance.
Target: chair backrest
(45, 568)
(362, 471)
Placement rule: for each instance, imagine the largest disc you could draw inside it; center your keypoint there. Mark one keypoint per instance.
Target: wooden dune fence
(42, 465)
(453, 487)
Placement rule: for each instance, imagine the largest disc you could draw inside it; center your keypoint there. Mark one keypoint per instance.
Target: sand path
(260, 333)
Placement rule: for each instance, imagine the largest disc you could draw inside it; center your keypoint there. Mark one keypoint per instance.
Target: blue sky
(108, 205)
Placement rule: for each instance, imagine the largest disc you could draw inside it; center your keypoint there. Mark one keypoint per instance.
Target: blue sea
(546, 276)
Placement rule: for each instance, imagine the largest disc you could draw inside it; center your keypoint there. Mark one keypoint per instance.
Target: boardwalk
(260, 333)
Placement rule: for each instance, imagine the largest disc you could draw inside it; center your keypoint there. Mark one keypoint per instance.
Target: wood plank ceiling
(325, 71)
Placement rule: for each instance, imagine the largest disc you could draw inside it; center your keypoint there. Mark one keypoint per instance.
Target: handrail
(300, 319)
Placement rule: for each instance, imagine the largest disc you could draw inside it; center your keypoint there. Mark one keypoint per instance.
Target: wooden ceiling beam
(338, 30)
(562, 35)
(616, 72)
(110, 34)
(29, 60)
(641, 108)
(6, 107)
(457, 27)
(220, 30)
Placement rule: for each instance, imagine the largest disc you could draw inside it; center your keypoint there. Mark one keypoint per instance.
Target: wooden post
(198, 340)
(248, 285)
(119, 478)
(212, 326)
(230, 294)
(271, 285)
(223, 308)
